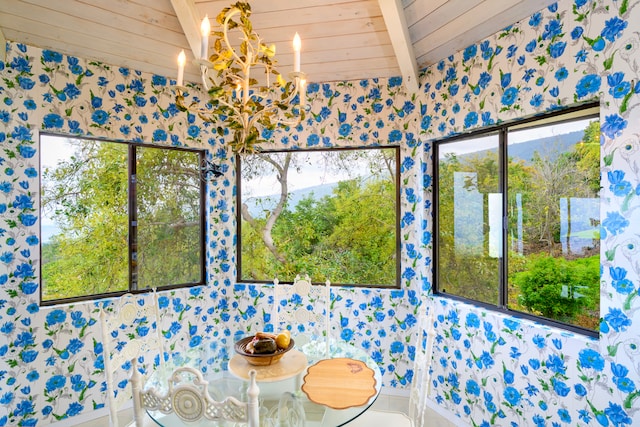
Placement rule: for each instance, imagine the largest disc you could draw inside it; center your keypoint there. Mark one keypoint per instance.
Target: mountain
(257, 205)
(545, 146)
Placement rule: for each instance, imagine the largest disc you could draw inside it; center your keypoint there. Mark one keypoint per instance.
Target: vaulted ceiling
(341, 39)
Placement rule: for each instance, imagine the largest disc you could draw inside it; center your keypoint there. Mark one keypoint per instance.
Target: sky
(516, 137)
(312, 174)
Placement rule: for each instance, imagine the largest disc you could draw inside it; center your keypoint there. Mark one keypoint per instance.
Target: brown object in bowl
(260, 359)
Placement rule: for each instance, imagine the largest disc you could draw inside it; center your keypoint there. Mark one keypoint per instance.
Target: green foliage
(543, 221)
(169, 228)
(348, 237)
(464, 256)
(557, 288)
(587, 156)
(87, 196)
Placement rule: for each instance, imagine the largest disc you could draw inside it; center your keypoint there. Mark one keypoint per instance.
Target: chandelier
(240, 103)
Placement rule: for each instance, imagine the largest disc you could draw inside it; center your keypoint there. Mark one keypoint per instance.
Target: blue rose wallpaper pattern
(488, 368)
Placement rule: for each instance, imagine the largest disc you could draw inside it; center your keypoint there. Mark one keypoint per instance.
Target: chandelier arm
(290, 96)
(233, 108)
(203, 111)
(279, 120)
(225, 30)
(251, 52)
(294, 91)
(205, 74)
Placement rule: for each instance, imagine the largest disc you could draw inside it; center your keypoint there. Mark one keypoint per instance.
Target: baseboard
(452, 418)
(97, 418)
(395, 392)
(84, 418)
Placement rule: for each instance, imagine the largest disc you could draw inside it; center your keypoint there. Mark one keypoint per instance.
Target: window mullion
(133, 220)
(503, 188)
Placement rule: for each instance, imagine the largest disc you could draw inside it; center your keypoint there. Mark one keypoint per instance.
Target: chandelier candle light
(238, 101)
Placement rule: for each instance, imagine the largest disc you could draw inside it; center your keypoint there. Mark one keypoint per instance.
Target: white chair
(291, 412)
(287, 412)
(186, 394)
(421, 382)
(128, 314)
(304, 309)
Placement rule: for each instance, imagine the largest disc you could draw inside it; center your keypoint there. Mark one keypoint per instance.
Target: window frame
(585, 111)
(398, 210)
(132, 204)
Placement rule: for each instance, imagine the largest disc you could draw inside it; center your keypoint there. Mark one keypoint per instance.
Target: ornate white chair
(127, 317)
(304, 309)
(186, 395)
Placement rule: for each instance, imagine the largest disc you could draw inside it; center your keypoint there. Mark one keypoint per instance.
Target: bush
(557, 288)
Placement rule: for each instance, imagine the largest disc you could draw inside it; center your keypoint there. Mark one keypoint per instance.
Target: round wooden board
(340, 383)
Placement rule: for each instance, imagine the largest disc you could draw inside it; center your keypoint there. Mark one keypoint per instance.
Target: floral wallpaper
(488, 368)
(492, 369)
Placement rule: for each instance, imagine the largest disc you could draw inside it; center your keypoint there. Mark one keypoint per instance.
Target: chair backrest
(304, 309)
(186, 394)
(421, 382)
(290, 411)
(128, 314)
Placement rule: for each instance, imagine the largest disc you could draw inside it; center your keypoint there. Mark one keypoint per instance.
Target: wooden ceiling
(341, 39)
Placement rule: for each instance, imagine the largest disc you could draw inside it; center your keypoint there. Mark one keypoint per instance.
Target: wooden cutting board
(340, 383)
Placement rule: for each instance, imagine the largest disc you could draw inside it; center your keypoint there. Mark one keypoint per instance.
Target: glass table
(333, 390)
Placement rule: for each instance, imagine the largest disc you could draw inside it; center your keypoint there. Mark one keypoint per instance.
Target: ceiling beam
(396, 23)
(190, 20)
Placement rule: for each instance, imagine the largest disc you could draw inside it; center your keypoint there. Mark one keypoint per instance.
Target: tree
(465, 264)
(323, 237)
(541, 199)
(87, 195)
(281, 164)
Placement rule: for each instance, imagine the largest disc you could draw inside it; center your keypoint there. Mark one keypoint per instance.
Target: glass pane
(329, 214)
(84, 217)
(169, 218)
(469, 219)
(554, 219)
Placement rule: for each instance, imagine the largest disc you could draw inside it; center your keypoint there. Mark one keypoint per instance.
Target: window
(517, 218)
(118, 217)
(332, 214)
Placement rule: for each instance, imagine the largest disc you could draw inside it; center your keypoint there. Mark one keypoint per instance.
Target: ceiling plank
(189, 19)
(479, 22)
(87, 46)
(446, 13)
(394, 18)
(95, 10)
(3, 46)
(302, 16)
(418, 9)
(85, 22)
(260, 6)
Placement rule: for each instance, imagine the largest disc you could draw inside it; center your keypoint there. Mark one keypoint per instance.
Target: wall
(489, 369)
(492, 369)
(51, 365)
